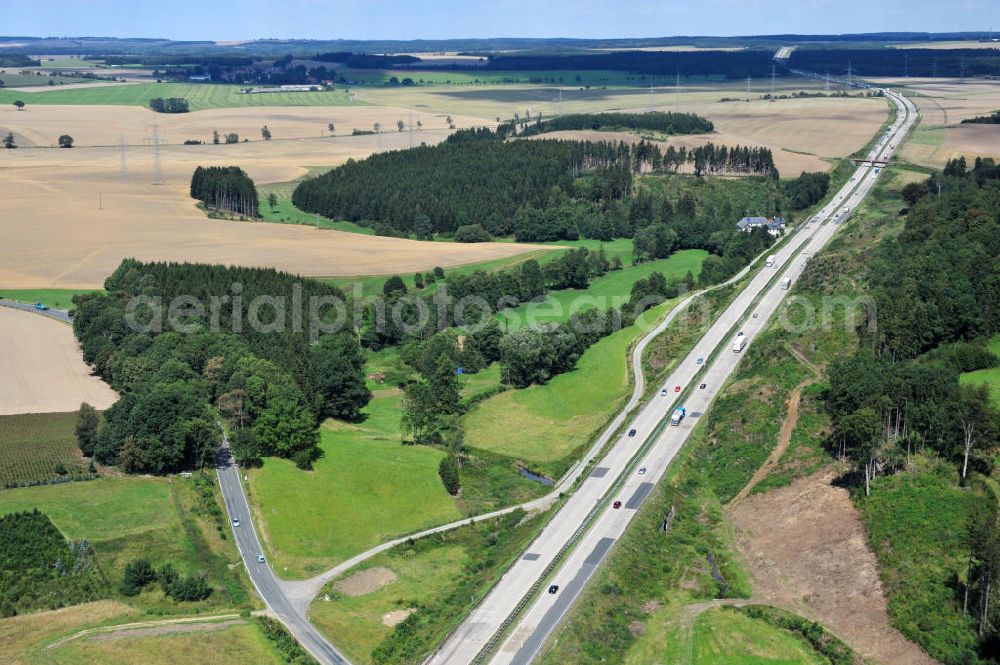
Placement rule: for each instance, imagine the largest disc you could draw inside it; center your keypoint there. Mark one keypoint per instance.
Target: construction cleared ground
(42, 368)
(943, 104)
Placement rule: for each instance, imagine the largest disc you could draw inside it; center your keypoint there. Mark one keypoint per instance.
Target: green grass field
(355, 623)
(440, 577)
(199, 96)
(100, 509)
(605, 292)
(722, 636)
(130, 517)
(560, 416)
(366, 489)
(55, 298)
(232, 645)
(24, 80)
(31, 445)
(990, 377)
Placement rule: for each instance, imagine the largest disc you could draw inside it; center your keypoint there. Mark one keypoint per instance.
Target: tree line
(899, 62)
(225, 188)
(271, 387)
(169, 105)
(729, 64)
(936, 288)
(991, 119)
(666, 122)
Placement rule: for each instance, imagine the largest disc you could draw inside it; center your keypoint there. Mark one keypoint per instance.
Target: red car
(616, 505)
(677, 389)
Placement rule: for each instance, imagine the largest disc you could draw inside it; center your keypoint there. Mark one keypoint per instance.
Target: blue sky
(402, 19)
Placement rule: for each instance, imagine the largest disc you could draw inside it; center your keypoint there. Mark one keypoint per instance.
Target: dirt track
(806, 549)
(41, 370)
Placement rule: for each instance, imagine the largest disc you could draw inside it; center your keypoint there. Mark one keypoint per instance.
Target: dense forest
(475, 178)
(900, 62)
(225, 188)
(234, 343)
(39, 569)
(660, 121)
(936, 292)
(729, 64)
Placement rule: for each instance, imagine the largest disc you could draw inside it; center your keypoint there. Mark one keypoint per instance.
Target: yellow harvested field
(42, 368)
(943, 104)
(949, 45)
(70, 216)
(818, 127)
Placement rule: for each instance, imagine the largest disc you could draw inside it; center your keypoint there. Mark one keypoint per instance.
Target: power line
(677, 92)
(155, 139)
(121, 157)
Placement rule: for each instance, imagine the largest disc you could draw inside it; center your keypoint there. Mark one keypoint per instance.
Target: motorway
(515, 619)
(264, 580)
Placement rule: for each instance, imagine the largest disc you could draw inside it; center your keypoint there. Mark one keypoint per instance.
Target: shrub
(138, 573)
(472, 233)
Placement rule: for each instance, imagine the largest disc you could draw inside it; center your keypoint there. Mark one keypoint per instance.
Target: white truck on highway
(740, 343)
(678, 416)
(786, 283)
(769, 261)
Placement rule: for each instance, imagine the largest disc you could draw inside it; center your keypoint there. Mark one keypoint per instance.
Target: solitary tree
(448, 470)
(331, 127)
(65, 141)
(215, 137)
(86, 429)
(378, 127)
(272, 200)
(232, 137)
(19, 104)
(8, 141)
(266, 133)
(420, 125)
(974, 419)
(400, 125)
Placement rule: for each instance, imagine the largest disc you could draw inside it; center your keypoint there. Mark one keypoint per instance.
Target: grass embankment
(438, 578)
(163, 519)
(55, 298)
(32, 446)
(199, 96)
